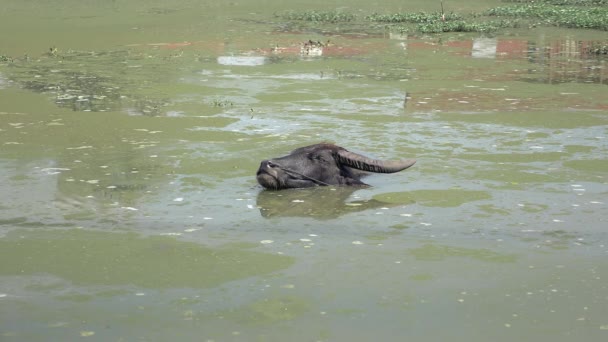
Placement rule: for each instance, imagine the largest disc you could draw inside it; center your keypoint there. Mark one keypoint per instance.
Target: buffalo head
(322, 164)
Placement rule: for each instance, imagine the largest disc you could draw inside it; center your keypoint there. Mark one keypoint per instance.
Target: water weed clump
(418, 17)
(221, 103)
(585, 14)
(320, 16)
(550, 15)
(438, 22)
(563, 2)
(465, 26)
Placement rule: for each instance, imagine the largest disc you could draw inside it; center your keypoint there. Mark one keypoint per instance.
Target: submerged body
(322, 164)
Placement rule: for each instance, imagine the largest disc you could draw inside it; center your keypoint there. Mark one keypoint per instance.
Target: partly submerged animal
(322, 164)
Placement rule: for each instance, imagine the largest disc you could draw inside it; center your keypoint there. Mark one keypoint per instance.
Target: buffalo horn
(357, 161)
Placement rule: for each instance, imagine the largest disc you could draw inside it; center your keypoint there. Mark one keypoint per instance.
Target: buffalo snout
(266, 165)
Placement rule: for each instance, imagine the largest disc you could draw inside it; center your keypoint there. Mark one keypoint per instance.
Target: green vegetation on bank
(583, 14)
(564, 2)
(418, 17)
(437, 22)
(550, 15)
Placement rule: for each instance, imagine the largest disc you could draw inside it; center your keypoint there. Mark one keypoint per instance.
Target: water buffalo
(322, 164)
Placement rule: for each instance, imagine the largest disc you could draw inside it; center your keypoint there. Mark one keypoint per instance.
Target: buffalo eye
(316, 157)
(320, 159)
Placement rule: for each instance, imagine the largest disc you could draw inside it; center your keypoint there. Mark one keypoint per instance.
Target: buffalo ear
(359, 162)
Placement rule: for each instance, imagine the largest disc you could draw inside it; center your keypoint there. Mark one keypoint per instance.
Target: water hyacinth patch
(563, 2)
(571, 16)
(418, 17)
(437, 22)
(464, 26)
(587, 14)
(320, 16)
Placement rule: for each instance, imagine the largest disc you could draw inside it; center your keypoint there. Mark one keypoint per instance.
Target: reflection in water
(559, 61)
(322, 203)
(95, 81)
(553, 61)
(484, 48)
(242, 60)
(567, 60)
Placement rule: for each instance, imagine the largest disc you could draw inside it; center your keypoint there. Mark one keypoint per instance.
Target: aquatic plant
(221, 103)
(563, 2)
(4, 58)
(320, 16)
(437, 22)
(464, 26)
(587, 14)
(571, 16)
(418, 17)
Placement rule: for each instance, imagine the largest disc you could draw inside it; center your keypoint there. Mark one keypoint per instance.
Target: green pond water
(131, 131)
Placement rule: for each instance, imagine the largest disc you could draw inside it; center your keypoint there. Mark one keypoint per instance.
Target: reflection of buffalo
(322, 164)
(320, 203)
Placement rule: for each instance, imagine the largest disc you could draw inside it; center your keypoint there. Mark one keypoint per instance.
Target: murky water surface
(130, 133)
